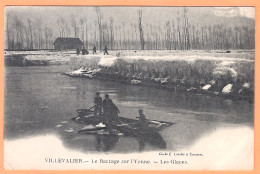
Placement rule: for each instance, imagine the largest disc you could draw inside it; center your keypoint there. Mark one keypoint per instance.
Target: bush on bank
(194, 73)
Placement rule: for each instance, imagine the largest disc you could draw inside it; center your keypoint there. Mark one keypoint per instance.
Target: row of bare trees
(29, 34)
(174, 34)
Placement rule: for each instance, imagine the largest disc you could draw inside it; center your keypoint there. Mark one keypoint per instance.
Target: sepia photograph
(129, 88)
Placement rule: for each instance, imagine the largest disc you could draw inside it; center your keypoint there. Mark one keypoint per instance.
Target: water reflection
(27, 153)
(28, 90)
(211, 108)
(106, 142)
(153, 138)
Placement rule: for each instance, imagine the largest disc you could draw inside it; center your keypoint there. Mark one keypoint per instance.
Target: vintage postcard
(129, 88)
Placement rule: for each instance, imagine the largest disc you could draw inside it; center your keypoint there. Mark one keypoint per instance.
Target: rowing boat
(127, 126)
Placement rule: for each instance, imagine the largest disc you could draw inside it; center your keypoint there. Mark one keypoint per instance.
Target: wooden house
(62, 43)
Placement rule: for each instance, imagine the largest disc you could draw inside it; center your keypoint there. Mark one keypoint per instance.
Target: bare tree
(141, 28)
(95, 33)
(39, 32)
(82, 27)
(99, 21)
(111, 27)
(105, 34)
(47, 35)
(179, 40)
(74, 24)
(86, 28)
(120, 36)
(61, 23)
(186, 29)
(18, 25)
(7, 30)
(30, 32)
(168, 35)
(180, 33)
(67, 30)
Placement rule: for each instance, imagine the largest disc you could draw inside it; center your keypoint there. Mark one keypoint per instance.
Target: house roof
(68, 41)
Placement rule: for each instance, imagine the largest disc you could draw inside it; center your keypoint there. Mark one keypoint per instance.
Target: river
(40, 101)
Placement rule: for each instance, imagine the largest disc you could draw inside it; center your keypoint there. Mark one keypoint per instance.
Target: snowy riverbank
(36, 58)
(13, 58)
(210, 72)
(217, 72)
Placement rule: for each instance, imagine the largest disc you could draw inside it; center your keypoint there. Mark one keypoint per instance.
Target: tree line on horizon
(174, 34)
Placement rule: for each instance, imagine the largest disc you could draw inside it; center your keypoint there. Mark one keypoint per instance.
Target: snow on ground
(223, 70)
(39, 52)
(225, 61)
(108, 61)
(221, 63)
(51, 56)
(229, 65)
(206, 87)
(248, 54)
(188, 58)
(166, 55)
(244, 54)
(225, 65)
(227, 89)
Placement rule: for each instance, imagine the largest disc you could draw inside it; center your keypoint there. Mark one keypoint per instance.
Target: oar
(170, 123)
(84, 110)
(92, 107)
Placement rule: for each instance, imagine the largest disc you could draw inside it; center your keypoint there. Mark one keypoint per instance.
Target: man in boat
(115, 111)
(143, 122)
(110, 109)
(98, 104)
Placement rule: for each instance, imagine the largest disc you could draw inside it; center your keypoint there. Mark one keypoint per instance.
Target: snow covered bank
(20, 60)
(208, 73)
(31, 58)
(172, 69)
(91, 61)
(244, 54)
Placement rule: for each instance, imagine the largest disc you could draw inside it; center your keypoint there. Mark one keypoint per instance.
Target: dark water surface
(37, 99)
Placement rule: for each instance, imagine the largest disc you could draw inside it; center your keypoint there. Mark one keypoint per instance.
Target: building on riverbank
(62, 43)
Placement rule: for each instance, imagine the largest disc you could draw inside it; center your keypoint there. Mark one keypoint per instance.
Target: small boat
(127, 126)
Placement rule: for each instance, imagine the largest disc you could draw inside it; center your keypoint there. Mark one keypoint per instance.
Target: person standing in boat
(115, 111)
(108, 109)
(98, 104)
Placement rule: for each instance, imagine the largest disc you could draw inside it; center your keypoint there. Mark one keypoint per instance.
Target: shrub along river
(40, 101)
